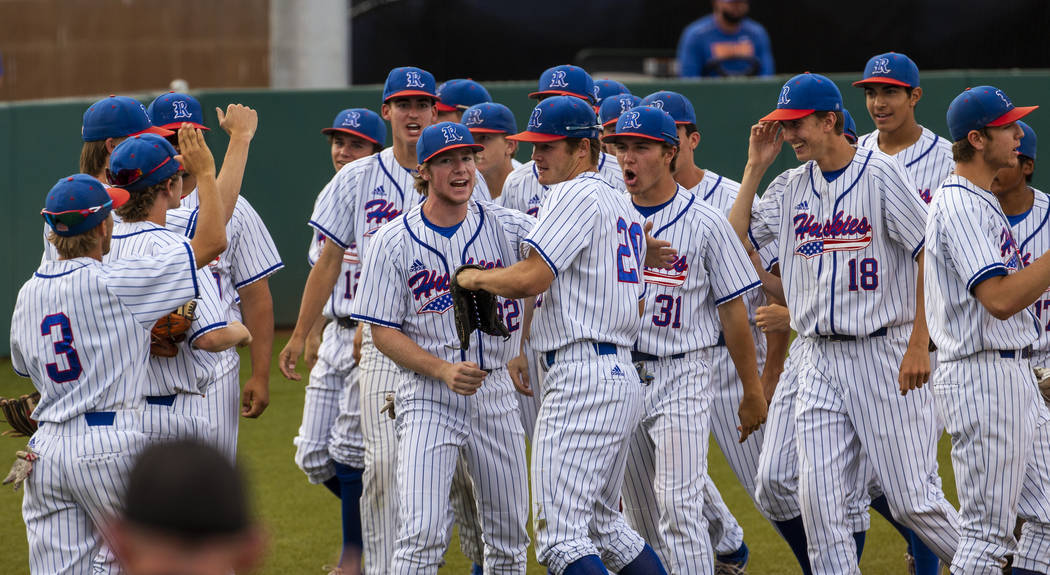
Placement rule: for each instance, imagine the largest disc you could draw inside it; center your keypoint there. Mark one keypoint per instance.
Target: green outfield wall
(289, 161)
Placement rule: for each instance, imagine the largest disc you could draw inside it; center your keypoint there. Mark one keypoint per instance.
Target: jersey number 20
(628, 262)
(63, 346)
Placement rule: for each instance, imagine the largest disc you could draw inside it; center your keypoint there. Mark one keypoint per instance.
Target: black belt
(346, 322)
(100, 418)
(165, 400)
(1015, 353)
(881, 332)
(642, 356)
(600, 348)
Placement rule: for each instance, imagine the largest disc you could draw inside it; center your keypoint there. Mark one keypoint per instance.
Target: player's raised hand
(764, 144)
(518, 368)
(238, 120)
(195, 156)
(773, 318)
(915, 368)
(752, 413)
(290, 357)
(658, 253)
(463, 377)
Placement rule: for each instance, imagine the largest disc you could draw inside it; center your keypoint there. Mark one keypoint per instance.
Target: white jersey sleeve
(905, 210)
(768, 212)
(335, 210)
(252, 253)
(379, 300)
(557, 236)
(1032, 233)
(136, 281)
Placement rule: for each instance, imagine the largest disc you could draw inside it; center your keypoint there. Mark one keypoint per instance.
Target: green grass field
(302, 520)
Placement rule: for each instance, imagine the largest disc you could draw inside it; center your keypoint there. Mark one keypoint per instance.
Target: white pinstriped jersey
(366, 194)
(968, 240)
(591, 237)
(847, 248)
(191, 369)
(928, 161)
(340, 303)
(405, 285)
(711, 269)
(80, 329)
(1033, 240)
(523, 191)
(250, 256)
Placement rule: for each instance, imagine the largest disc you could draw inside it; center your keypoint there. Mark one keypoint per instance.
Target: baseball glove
(21, 468)
(1042, 374)
(171, 329)
(18, 414)
(388, 406)
(475, 309)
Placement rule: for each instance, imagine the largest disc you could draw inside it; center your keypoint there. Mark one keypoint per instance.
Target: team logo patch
(672, 277)
(558, 80)
(881, 67)
(534, 119)
(596, 92)
(1008, 247)
(473, 118)
(658, 104)
(179, 106)
(784, 100)
(413, 80)
(625, 105)
(353, 120)
(144, 112)
(1003, 97)
(803, 205)
(380, 211)
(629, 121)
(451, 135)
(379, 191)
(843, 233)
(616, 371)
(926, 195)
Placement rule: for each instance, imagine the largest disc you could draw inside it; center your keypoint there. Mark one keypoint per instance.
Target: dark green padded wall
(289, 163)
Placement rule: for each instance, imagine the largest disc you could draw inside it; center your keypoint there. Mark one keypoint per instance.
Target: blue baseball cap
(409, 81)
(360, 122)
(565, 80)
(890, 68)
(849, 127)
(680, 108)
(490, 118)
(645, 122)
(803, 95)
(442, 137)
(982, 106)
(141, 161)
(612, 106)
(557, 118)
(117, 117)
(605, 88)
(172, 109)
(78, 203)
(460, 95)
(1028, 141)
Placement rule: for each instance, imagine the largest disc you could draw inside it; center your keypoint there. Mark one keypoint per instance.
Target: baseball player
(361, 197)
(609, 111)
(455, 96)
(587, 248)
(450, 404)
(146, 167)
(892, 92)
(489, 125)
(80, 330)
(679, 327)
(329, 447)
(979, 298)
(241, 273)
(847, 225)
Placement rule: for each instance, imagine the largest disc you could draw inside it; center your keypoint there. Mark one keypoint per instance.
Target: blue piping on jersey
(773, 262)
(812, 186)
(444, 262)
(193, 266)
(260, 275)
(918, 248)
(123, 236)
(994, 206)
(984, 273)
(328, 234)
(1037, 229)
(58, 275)
(936, 138)
(19, 373)
(537, 175)
(711, 192)
(835, 208)
(191, 226)
(550, 263)
(751, 236)
(368, 319)
(601, 161)
(692, 198)
(206, 329)
(387, 172)
(737, 293)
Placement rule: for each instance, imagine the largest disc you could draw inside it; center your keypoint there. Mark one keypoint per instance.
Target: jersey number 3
(63, 347)
(628, 262)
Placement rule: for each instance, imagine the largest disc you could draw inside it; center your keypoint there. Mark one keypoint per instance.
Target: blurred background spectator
(725, 43)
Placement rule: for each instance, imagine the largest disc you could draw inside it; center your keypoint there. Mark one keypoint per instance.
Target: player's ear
(1027, 167)
(976, 139)
(916, 95)
(384, 111)
(694, 139)
(424, 171)
(512, 148)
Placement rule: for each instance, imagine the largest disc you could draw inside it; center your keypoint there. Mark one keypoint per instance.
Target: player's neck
(581, 169)
(903, 137)
(839, 154)
(977, 171)
(688, 176)
(443, 214)
(496, 177)
(726, 26)
(158, 214)
(660, 192)
(405, 154)
(1018, 200)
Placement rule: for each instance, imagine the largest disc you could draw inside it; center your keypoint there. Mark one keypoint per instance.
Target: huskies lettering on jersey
(432, 286)
(841, 233)
(179, 106)
(353, 120)
(881, 67)
(926, 195)
(673, 276)
(380, 211)
(558, 79)
(1008, 249)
